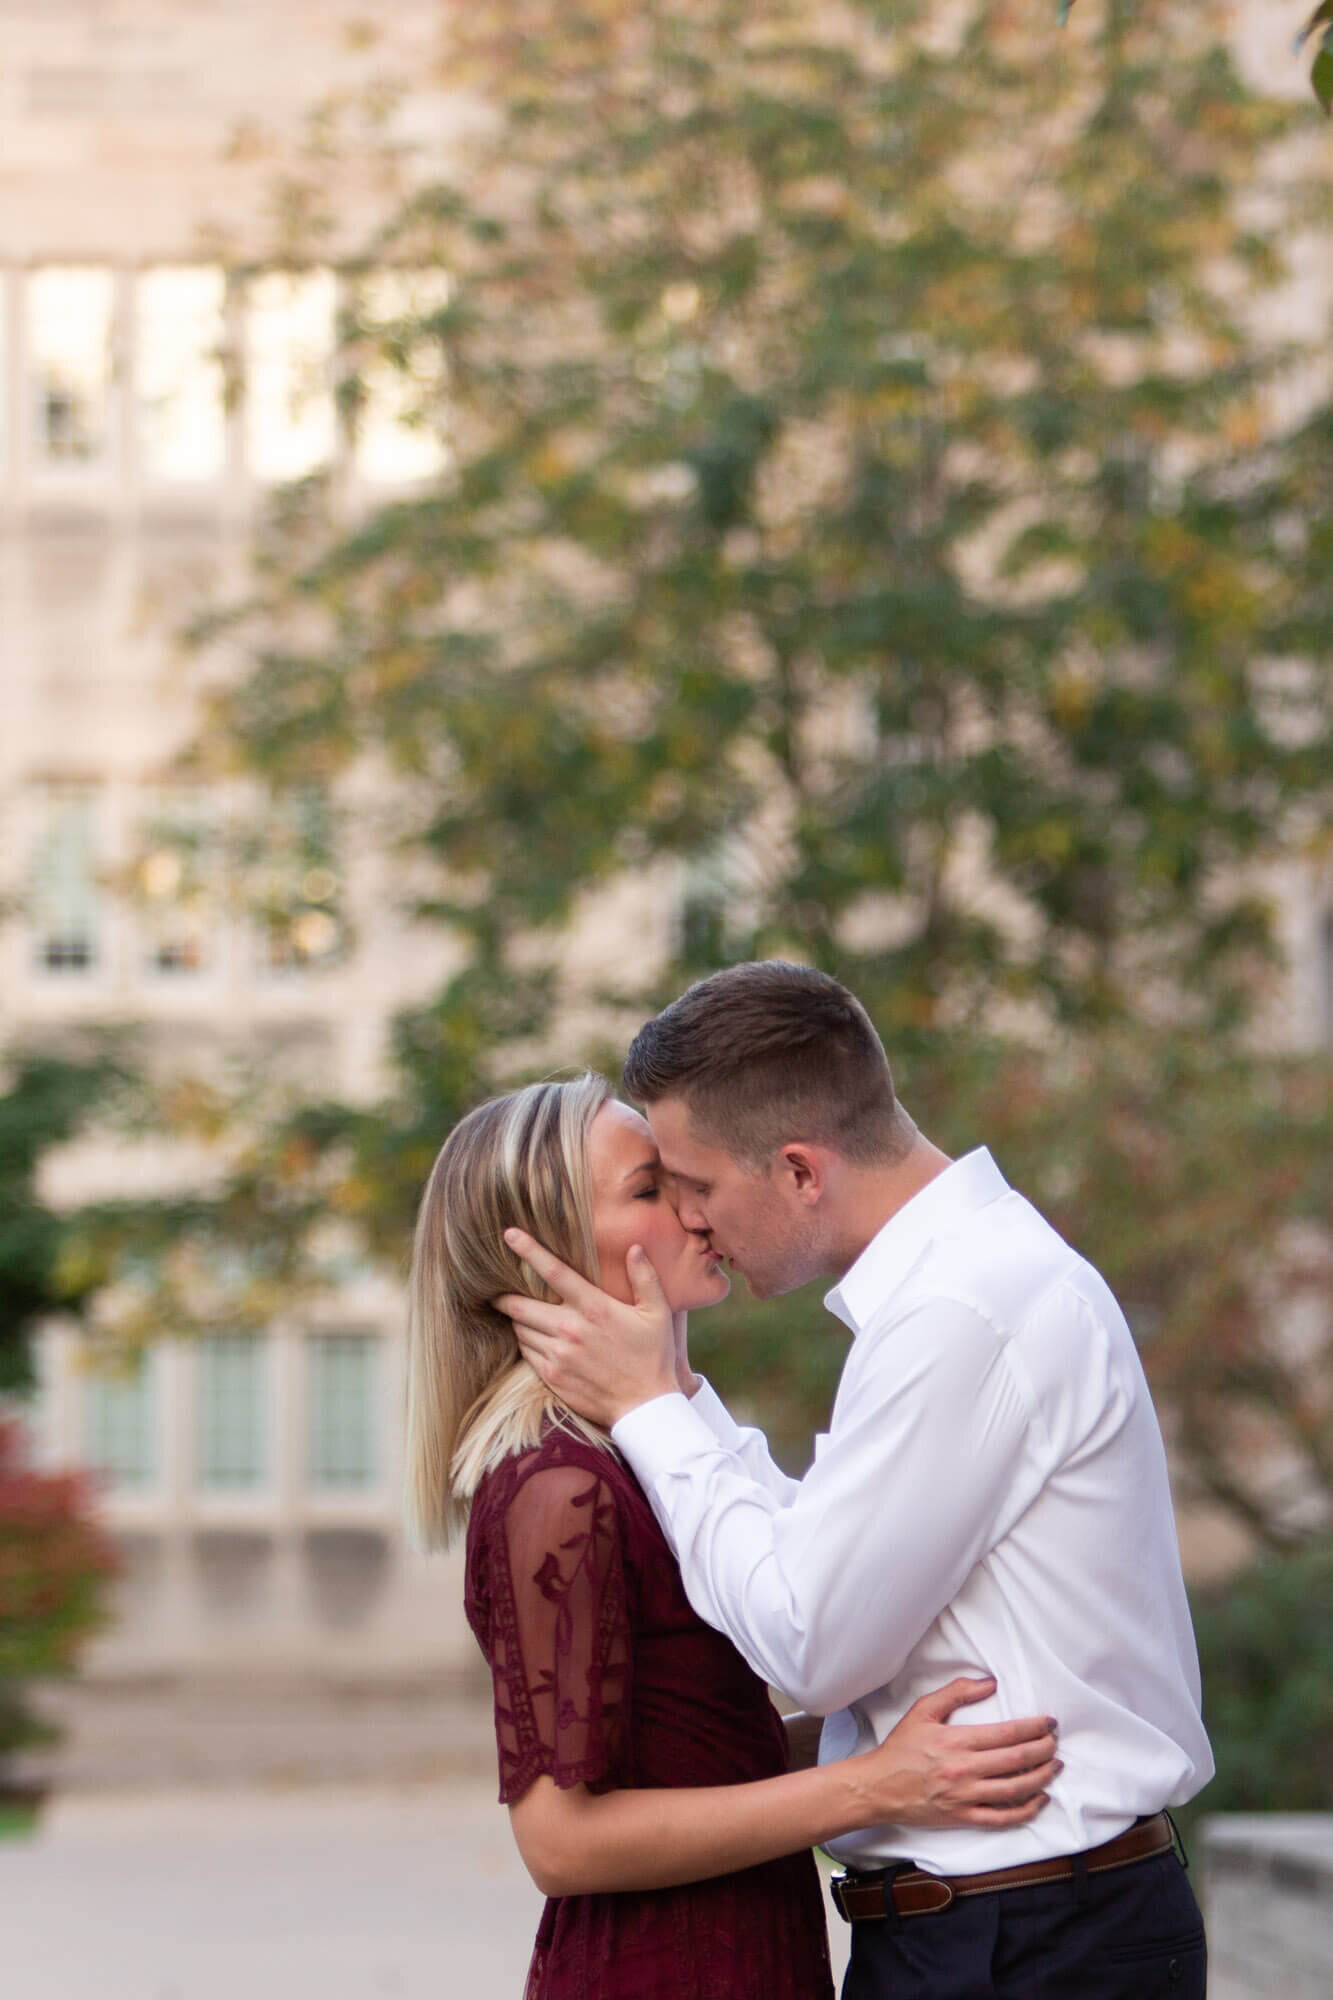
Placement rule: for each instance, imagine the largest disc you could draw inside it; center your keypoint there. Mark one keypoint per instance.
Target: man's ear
(804, 1170)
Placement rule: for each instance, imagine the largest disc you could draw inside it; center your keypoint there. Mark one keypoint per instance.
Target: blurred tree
(46, 1100)
(866, 507)
(847, 496)
(1266, 1651)
(1317, 29)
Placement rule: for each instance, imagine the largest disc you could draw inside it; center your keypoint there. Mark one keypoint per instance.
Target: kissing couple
(973, 1596)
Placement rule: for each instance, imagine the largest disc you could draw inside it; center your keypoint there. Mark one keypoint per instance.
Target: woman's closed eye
(648, 1194)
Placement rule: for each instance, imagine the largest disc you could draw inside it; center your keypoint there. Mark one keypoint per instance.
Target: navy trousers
(1132, 1933)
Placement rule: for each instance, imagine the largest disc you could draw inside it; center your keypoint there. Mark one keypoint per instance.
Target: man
(991, 1496)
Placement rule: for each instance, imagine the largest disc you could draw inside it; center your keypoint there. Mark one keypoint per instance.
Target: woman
(644, 1767)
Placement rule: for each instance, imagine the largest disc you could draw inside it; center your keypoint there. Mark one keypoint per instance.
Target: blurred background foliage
(1266, 1654)
(874, 512)
(55, 1562)
(46, 1101)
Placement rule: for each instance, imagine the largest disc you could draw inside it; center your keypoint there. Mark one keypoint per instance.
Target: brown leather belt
(862, 1897)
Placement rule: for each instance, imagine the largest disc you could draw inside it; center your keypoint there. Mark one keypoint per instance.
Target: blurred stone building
(254, 1483)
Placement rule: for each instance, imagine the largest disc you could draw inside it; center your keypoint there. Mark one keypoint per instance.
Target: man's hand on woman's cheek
(600, 1356)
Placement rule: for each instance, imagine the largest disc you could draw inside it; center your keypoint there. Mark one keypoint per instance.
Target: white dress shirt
(991, 1497)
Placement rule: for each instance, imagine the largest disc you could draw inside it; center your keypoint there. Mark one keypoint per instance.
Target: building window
(342, 1408)
(400, 378)
(69, 349)
(231, 1412)
(175, 888)
(65, 889)
(292, 884)
(120, 1425)
(179, 377)
(290, 420)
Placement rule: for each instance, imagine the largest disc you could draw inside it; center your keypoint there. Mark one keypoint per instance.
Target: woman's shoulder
(561, 1458)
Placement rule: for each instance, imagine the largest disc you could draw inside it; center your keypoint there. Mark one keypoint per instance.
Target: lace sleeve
(560, 1654)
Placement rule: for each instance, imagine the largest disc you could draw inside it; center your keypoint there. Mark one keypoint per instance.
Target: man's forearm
(750, 1446)
(826, 1592)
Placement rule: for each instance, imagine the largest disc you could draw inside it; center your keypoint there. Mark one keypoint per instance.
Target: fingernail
(511, 1237)
(1051, 1724)
(1058, 1765)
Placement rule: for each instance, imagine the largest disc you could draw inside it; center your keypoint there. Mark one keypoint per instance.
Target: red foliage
(54, 1563)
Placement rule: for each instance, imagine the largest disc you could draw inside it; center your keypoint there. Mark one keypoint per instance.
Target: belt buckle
(937, 1894)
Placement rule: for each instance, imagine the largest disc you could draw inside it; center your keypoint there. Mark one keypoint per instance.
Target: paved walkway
(328, 1893)
(334, 1894)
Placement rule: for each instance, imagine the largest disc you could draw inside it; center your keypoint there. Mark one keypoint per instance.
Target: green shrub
(1266, 1651)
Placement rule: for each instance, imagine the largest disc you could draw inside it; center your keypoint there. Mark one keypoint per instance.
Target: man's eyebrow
(643, 1167)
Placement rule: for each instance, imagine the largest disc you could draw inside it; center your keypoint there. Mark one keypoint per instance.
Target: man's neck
(875, 1194)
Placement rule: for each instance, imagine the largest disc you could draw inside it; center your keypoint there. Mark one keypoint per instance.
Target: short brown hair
(768, 1052)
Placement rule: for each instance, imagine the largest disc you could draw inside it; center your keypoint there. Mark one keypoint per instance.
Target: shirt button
(1175, 1970)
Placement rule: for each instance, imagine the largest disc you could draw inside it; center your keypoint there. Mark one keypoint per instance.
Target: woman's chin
(708, 1290)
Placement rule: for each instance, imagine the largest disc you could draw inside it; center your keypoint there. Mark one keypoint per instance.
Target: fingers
(537, 1351)
(999, 1735)
(644, 1281)
(534, 1314)
(941, 1702)
(576, 1291)
(1017, 1791)
(1010, 1763)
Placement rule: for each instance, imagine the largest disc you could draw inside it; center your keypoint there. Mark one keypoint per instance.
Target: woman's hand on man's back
(932, 1772)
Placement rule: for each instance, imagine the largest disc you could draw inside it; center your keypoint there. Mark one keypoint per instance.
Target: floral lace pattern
(605, 1677)
(559, 1645)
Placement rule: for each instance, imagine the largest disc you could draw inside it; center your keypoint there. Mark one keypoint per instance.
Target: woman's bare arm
(925, 1773)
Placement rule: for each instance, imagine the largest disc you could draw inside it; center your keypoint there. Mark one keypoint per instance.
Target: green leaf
(1065, 6)
(1321, 76)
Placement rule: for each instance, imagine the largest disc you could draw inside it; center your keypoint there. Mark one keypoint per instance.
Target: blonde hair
(517, 1161)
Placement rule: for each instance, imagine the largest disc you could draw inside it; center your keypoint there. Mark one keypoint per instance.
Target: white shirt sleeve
(749, 1446)
(925, 1466)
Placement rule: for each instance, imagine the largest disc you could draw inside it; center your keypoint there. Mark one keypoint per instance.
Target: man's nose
(685, 1204)
(691, 1212)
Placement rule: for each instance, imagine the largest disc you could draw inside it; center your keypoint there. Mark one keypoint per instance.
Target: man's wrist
(656, 1437)
(668, 1386)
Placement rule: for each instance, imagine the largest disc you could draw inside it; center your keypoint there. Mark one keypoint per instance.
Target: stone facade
(254, 1487)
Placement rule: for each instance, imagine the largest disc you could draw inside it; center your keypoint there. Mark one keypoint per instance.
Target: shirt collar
(964, 1187)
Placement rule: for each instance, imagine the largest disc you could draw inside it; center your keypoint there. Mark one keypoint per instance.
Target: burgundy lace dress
(605, 1677)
